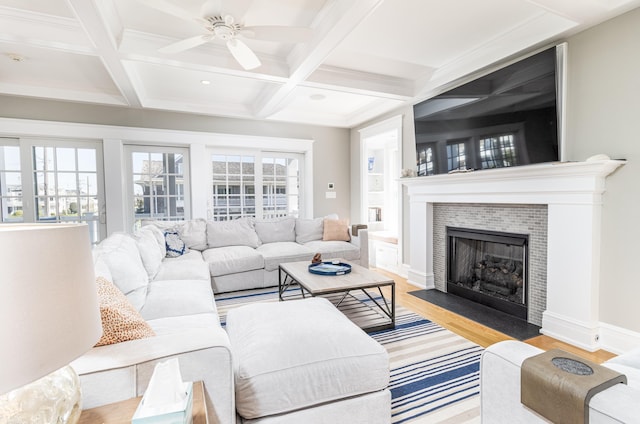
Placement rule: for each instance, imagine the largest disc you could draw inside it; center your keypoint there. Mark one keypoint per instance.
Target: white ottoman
(294, 355)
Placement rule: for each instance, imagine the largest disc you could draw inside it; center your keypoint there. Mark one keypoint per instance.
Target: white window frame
(28, 192)
(301, 171)
(228, 152)
(258, 155)
(114, 138)
(10, 142)
(129, 149)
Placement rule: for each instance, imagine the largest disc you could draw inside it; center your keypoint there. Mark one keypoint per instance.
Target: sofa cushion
(189, 266)
(285, 251)
(194, 233)
(630, 359)
(171, 298)
(309, 229)
(100, 268)
(120, 253)
(336, 230)
(277, 229)
(334, 249)
(150, 251)
(321, 357)
(232, 259)
(239, 232)
(181, 324)
(632, 373)
(120, 320)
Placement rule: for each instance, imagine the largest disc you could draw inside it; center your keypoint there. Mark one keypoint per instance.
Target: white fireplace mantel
(572, 192)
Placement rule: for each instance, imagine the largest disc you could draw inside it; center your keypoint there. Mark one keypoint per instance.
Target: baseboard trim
(421, 279)
(570, 331)
(618, 340)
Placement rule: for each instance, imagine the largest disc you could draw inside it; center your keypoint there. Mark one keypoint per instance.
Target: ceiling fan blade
(169, 8)
(185, 44)
(243, 54)
(284, 34)
(211, 8)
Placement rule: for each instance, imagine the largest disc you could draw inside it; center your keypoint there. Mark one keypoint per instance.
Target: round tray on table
(330, 268)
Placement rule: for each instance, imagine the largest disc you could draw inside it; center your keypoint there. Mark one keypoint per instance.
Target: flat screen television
(506, 118)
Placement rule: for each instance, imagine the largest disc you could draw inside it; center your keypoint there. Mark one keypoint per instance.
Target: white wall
(603, 116)
(331, 154)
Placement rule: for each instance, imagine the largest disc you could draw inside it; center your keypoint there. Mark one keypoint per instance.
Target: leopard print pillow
(121, 321)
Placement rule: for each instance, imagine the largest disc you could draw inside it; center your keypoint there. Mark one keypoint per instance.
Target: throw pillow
(121, 321)
(336, 229)
(308, 230)
(175, 245)
(150, 251)
(277, 229)
(238, 232)
(194, 234)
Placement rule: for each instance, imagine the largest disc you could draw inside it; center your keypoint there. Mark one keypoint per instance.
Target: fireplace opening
(489, 267)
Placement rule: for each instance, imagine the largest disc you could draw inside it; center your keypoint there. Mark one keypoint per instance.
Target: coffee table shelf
(358, 294)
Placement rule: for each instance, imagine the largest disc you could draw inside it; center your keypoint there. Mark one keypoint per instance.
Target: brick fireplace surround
(572, 193)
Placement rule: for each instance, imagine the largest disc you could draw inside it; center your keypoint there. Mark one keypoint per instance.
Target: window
(67, 183)
(159, 183)
(280, 186)
(234, 194)
(498, 151)
(235, 177)
(62, 179)
(456, 158)
(426, 159)
(10, 182)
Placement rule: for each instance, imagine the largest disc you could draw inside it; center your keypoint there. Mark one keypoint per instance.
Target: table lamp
(49, 316)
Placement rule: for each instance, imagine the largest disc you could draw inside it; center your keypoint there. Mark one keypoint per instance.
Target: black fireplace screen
(487, 264)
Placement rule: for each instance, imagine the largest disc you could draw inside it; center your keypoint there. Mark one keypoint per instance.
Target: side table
(122, 412)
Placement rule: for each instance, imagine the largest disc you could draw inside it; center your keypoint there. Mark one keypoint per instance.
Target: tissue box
(175, 414)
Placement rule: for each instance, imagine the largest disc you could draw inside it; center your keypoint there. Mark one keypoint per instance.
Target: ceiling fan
(221, 23)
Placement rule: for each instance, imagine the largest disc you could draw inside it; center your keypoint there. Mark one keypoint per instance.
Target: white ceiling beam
(143, 47)
(337, 19)
(64, 94)
(583, 11)
(43, 31)
(358, 82)
(99, 31)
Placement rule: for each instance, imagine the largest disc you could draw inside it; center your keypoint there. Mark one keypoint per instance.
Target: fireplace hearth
(562, 257)
(489, 267)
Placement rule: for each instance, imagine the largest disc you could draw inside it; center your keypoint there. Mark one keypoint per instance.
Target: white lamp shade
(49, 311)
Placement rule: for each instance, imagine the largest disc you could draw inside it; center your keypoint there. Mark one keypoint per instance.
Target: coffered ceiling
(362, 57)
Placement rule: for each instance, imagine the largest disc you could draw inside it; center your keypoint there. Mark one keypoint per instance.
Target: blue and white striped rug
(434, 372)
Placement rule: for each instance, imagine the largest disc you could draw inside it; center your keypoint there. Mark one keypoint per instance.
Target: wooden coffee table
(357, 294)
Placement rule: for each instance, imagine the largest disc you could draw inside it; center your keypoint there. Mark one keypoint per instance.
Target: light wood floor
(478, 333)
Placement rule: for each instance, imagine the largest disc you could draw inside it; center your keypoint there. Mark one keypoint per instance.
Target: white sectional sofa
(500, 388)
(176, 298)
(245, 253)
